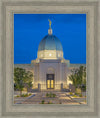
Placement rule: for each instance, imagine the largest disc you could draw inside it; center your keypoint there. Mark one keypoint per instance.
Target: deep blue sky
(29, 29)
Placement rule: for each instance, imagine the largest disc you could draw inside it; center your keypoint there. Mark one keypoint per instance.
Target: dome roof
(50, 42)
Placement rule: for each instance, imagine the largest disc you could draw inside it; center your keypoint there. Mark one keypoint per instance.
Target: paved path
(61, 98)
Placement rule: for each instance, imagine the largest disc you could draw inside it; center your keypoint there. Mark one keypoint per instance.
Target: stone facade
(55, 67)
(61, 71)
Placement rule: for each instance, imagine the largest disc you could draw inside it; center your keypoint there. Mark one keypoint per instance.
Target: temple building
(50, 69)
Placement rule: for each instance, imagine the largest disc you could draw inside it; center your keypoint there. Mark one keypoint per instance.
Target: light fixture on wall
(50, 54)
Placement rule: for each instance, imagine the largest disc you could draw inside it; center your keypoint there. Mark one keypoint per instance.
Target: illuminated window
(50, 54)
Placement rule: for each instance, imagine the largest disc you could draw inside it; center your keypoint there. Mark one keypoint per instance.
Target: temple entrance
(50, 81)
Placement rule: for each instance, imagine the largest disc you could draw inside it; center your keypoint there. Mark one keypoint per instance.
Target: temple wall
(53, 67)
(60, 70)
(50, 54)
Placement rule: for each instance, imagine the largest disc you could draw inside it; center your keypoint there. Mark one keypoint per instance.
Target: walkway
(61, 98)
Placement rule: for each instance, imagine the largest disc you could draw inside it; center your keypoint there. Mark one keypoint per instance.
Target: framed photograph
(49, 59)
(49, 78)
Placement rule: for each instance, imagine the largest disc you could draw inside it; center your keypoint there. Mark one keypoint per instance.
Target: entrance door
(50, 81)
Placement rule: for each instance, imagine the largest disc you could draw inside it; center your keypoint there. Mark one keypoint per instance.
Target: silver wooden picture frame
(8, 8)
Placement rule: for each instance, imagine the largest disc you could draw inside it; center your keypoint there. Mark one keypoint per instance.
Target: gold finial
(49, 23)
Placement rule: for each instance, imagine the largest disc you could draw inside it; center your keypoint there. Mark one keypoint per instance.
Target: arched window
(50, 70)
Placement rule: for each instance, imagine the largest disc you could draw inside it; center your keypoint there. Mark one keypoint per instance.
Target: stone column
(61, 86)
(39, 87)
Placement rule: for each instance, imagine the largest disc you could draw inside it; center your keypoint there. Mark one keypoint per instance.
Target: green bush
(42, 102)
(50, 95)
(80, 95)
(17, 96)
(29, 94)
(76, 93)
(71, 93)
(47, 94)
(24, 95)
(75, 96)
(54, 95)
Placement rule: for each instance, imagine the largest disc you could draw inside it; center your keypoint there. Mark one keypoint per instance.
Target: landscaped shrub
(29, 94)
(75, 96)
(54, 95)
(51, 95)
(71, 93)
(24, 95)
(17, 96)
(76, 93)
(42, 102)
(47, 94)
(80, 95)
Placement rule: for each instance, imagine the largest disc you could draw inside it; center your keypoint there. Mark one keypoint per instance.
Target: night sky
(29, 30)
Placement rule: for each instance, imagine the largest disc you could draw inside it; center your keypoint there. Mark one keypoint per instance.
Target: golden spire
(49, 23)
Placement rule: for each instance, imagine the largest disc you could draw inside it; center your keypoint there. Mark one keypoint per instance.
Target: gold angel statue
(49, 23)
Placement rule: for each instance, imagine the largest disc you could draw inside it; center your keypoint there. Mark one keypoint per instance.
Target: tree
(73, 77)
(28, 80)
(22, 79)
(84, 79)
(19, 78)
(78, 77)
